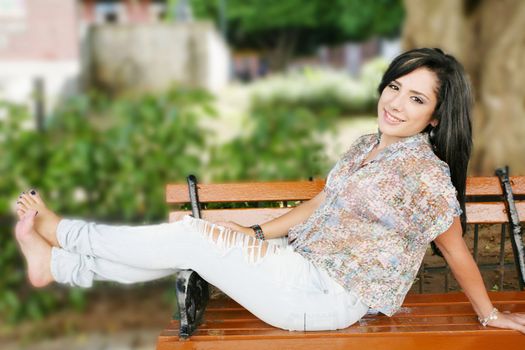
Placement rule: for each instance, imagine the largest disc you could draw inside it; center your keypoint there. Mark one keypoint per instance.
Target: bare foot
(36, 250)
(46, 221)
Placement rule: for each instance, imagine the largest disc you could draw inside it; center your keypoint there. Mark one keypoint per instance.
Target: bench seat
(425, 321)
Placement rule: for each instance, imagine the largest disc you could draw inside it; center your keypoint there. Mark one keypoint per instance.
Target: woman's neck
(387, 140)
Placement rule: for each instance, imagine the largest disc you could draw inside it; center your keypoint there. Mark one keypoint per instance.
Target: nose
(396, 103)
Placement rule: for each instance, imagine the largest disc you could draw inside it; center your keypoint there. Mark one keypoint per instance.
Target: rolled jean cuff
(61, 231)
(71, 269)
(74, 236)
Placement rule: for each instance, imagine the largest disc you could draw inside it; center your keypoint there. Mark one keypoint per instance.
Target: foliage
(287, 27)
(15, 303)
(318, 89)
(109, 160)
(97, 158)
(280, 143)
(140, 145)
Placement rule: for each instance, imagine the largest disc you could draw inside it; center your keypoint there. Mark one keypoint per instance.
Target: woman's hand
(467, 274)
(236, 227)
(509, 320)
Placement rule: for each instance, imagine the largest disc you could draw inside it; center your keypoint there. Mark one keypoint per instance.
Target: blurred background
(103, 102)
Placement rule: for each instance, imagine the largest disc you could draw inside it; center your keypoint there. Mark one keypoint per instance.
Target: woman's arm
(279, 227)
(469, 278)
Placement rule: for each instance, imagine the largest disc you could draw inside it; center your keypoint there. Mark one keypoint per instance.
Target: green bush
(279, 143)
(101, 159)
(109, 160)
(317, 89)
(16, 154)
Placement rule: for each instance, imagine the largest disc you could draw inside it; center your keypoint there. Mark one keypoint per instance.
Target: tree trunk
(488, 37)
(281, 51)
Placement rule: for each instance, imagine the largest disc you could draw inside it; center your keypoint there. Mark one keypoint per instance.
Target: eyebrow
(413, 91)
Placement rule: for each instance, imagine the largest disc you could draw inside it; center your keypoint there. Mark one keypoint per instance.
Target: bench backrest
(483, 205)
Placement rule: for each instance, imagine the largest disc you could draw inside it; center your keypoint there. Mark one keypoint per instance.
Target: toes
(20, 205)
(29, 198)
(25, 201)
(36, 196)
(32, 197)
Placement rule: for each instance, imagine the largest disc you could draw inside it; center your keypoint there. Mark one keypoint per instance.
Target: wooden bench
(425, 321)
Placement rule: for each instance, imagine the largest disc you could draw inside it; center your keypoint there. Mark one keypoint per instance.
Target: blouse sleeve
(436, 202)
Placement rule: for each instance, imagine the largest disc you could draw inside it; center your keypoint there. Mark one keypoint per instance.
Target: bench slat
(246, 217)
(252, 329)
(489, 186)
(407, 312)
(304, 190)
(247, 192)
(478, 340)
(255, 327)
(491, 213)
(449, 310)
(412, 299)
(244, 329)
(480, 213)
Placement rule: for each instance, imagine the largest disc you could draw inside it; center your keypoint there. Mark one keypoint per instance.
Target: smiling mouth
(390, 118)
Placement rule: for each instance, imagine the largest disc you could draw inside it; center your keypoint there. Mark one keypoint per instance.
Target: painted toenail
(33, 192)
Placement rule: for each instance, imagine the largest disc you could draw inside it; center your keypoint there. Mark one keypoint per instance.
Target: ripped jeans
(270, 280)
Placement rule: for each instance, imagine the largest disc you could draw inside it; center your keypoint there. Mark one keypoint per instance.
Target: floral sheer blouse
(372, 231)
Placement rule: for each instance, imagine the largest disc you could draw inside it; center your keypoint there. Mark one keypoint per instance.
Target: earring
(432, 134)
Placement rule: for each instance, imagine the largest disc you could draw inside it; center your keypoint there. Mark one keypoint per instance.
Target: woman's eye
(393, 86)
(417, 100)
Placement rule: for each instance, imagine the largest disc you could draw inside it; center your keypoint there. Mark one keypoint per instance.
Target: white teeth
(391, 117)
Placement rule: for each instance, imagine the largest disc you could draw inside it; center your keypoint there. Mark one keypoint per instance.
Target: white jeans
(272, 281)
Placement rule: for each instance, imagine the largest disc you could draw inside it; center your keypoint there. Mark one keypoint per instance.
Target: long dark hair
(452, 137)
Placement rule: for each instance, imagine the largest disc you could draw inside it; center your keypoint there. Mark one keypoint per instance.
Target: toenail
(33, 192)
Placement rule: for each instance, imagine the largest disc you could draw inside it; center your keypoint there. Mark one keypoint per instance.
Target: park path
(128, 340)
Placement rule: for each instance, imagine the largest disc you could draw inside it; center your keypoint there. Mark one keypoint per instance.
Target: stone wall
(145, 57)
(488, 37)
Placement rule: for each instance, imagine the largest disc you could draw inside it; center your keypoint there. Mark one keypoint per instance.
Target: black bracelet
(259, 234)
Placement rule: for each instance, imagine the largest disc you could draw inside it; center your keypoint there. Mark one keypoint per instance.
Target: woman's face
(407, 104)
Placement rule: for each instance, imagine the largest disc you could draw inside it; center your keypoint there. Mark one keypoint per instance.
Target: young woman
(357, 245)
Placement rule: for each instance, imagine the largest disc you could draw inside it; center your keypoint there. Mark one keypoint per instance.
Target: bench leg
(192, 298)
(514, 224)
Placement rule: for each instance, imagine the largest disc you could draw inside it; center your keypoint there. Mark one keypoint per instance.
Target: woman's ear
(434, 123)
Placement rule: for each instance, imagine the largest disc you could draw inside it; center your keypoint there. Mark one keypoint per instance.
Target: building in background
(39, 50)
(57, 48)
(169, 47)
(124, 11)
